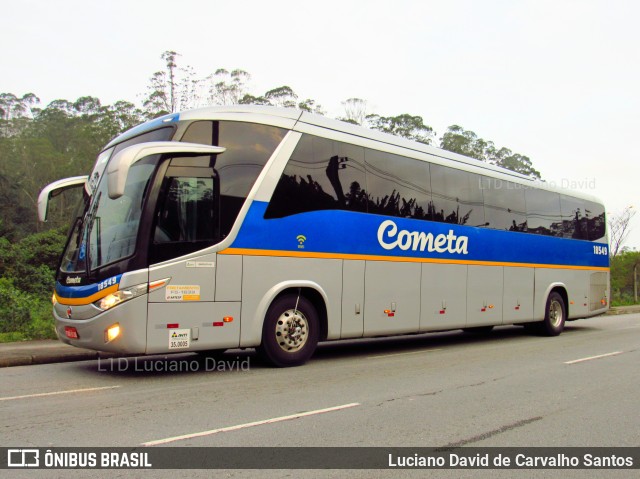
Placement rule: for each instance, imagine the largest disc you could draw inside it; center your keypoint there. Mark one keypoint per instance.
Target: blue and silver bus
(275, 229)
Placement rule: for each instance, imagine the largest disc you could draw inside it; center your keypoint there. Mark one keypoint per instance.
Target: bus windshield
(110, 227)
(105, 230)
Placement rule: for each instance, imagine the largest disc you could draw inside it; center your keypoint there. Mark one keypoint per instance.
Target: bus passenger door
(392, 298)
(183, 315)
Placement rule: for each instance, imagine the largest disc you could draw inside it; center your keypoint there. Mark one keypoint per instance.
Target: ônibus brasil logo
(389, 238)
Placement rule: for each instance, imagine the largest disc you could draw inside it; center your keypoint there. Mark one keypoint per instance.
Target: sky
(557, 81)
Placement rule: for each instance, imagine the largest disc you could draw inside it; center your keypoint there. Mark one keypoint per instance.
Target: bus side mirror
(119, 165)
(54, 189)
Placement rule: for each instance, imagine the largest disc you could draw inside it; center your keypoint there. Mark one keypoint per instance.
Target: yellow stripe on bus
(87, 300)
(401, 259)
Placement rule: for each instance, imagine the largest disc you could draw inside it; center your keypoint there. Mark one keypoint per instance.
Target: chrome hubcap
(555, 314)
(292, 331)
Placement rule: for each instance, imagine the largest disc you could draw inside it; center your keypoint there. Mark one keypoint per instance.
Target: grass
(12, 337)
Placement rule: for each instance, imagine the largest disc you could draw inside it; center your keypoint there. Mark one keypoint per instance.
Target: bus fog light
(121, 296)
(112, 333)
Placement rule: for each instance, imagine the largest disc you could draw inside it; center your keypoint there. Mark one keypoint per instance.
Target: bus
(276, 229)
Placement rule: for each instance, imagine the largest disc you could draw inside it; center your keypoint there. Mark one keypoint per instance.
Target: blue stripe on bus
(344, 232)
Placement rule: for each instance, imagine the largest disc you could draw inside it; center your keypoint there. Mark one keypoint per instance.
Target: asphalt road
(508, 388)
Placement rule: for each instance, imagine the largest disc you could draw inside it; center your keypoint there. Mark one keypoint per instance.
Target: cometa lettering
(389, 238)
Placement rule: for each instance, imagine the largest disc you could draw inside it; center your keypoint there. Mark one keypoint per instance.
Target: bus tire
(289, 334)
(555, 315)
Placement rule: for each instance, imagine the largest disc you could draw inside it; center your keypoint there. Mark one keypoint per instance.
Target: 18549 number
(600, 250)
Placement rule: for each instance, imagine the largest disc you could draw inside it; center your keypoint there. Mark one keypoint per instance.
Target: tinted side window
(543, 212)
(249, 147)
(504, 205)
(321, 174)
(574, 219)
(201, 132)
(397, 186)
(596, 221)
(187, 212)
(457, 196)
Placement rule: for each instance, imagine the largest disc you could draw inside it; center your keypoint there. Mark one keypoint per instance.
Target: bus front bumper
(128, 319)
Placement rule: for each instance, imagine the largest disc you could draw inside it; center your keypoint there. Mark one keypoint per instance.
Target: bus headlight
(121, 296)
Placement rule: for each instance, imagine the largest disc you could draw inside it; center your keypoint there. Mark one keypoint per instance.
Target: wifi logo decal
(301, 239)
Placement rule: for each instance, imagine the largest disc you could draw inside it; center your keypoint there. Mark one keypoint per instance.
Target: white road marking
(55, 393)
(404, 354)
(594, 357)
(250, 424)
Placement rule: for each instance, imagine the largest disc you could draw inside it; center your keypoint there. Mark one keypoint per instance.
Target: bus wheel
(555, 315)
(290, 332)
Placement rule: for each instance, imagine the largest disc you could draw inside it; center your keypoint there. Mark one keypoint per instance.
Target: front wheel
(555, 315)
(290, 331)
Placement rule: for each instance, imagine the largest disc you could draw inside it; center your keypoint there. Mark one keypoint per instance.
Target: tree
(465, 142)
(157, 102)
(119, 117)
(189, 91)
(505, 158)
(619, 229)
(310, 106)
(172, 89)
(13, 109)
(170, 59)
(405, 125)
(226, 88)
(249, 99)
(624, 272)
(88, 106)
(282, 96)
(58, 141)
(355, 110)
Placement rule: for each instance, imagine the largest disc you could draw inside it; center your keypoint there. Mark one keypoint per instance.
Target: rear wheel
(555, 315)
(290, 331)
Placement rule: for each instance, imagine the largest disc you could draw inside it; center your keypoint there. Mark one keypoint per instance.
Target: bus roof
(289, 117)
